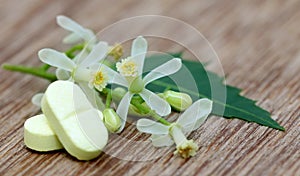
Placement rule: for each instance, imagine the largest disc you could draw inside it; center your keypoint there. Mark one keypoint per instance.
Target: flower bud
(111, 120)
(118, 93)
(136, 112)
(179, 101)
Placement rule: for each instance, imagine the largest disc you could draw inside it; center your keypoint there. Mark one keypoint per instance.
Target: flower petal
(122, 110)
(159, 105)
(62, 74)
(195, 115)
(79, 31)
(139, 46)
(37, 99)
(152, 127)
(163, 70)
(70, 25)
(138, 52)
(56, 59)
(161, 140)
(71, 38)
(97, 54)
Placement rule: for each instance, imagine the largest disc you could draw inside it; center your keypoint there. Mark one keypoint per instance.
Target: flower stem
(108, 99)
(158, 118)
(137, 102)
(45, 67)
(42, 70)
(147, 110)
(70, 52)
(39, 72)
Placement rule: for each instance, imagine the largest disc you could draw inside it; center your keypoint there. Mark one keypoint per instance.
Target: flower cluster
(88, 64)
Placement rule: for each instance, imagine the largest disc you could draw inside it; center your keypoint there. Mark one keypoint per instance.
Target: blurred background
(238, 31)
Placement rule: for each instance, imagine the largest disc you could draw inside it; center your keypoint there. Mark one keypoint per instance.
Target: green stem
(137, 102)
(108, 100)
(70, 52)
(30, 70)
(158, 118)
(45, 67)
(147, 110)
(42, 71)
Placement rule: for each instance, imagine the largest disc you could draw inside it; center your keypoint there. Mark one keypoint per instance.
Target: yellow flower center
(127, 67)
(187, 149)
(99, 78)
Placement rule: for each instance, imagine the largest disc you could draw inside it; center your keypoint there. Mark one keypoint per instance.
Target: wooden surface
(258, 43)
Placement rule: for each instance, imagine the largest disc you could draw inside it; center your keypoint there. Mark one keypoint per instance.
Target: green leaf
(193, 79)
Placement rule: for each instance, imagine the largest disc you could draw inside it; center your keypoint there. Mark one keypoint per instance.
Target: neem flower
(77, 32)
(131, 69)
(85, 69)
(189, 120)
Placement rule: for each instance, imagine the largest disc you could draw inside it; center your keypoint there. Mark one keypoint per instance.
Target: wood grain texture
(258, 43)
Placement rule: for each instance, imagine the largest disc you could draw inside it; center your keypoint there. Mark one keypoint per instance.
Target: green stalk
(70, 52)
(137, 102)
(108, 100)
(45, 67)
(39, 72)
(158, 118)
(42, 71)
(147, 110)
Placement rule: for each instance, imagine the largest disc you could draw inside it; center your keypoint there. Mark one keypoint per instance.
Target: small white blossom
(189, 120)
(85, 69)
(130, 76)
(82, 68)
(77, 32)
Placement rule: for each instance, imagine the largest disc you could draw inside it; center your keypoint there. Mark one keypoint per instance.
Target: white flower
(82, 68)
(130, 76)
(189, 120)
(77, 32)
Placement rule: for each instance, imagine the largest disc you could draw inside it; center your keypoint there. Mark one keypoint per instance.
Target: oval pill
(77, 124)
(39, 136)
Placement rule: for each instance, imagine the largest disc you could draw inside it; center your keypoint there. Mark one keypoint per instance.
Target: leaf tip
(281, 128)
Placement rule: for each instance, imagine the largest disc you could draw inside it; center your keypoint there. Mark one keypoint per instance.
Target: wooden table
(258, 45)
